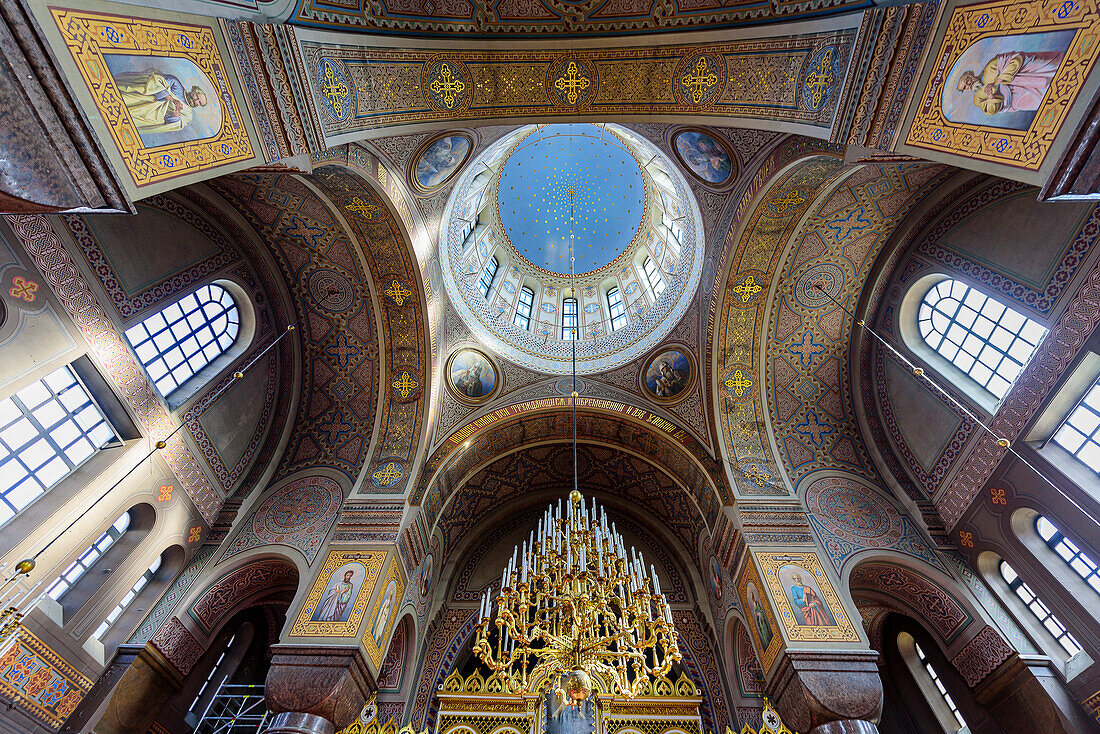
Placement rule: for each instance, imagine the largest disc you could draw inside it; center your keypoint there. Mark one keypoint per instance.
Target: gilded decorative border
(775, 644)
(306, 627)
(842, 631)
(1026, 149)
(393, 573)
(90, 36)
(40, 681)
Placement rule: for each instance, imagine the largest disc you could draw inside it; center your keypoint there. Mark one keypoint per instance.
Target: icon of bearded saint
(157, 102)
(1013, 81)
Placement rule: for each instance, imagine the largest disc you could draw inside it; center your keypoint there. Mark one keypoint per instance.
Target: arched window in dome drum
(485, 284)
(1035, 605)
(656, 282)
(526, 302)
(569, 319)
(616, 309)
(180, 339)
(1069, 552)
(985, 339)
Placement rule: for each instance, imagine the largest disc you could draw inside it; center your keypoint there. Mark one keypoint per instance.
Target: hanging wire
(573, 333)
(920, 373)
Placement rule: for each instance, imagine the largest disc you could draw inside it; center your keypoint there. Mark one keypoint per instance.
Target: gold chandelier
(572, 606)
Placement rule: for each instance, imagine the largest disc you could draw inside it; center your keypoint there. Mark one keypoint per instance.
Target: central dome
(581, 164)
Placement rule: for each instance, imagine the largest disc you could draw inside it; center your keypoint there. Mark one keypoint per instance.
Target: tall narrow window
(939, 686)
(526, 302)
(487, 276)
(211, 674)
(656, 282)
(178, 341)
(979, 335)
(1080, 434)
(1037, 608)
(1074, 557)
(569, 319)
(88, 558)
(126, 600)
(616, 309)
(47, 430)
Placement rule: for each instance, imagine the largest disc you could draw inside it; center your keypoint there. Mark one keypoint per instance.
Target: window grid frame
(1088, 406)
(524, 307)
(488, 275)
(961, 343)
(18, 456)
(127, 599)
(616, 309)
(939, 685)
(1070, 553)
(171, 365)
(1039, 610)
(656, 282)
(87, 560)
(569, 327)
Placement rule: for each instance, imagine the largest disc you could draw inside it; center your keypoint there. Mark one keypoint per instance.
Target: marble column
(140, 694)
(316, 690)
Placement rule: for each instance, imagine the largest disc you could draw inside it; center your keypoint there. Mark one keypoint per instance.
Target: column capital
(828, 692)
(332, 683)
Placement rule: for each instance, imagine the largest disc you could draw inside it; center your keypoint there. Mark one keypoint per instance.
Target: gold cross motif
(362, 208)
(786, 201)
(701, 82)
(573, 83)
(333, 89)
(739, 383)
(388, 474)
(821, 79)
(448, 85)
(405, 385)
(753, 474)
(398, 293)
(748, 289)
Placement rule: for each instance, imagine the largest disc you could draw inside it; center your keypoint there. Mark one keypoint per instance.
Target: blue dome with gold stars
(582, 163)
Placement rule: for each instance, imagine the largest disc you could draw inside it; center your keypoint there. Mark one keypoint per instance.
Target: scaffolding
(235, 709)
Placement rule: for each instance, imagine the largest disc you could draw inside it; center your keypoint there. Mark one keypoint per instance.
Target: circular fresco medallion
(471, 376)
(669, 375)
(330, 291)
(439, 159)
(819, 285)
(706, 156)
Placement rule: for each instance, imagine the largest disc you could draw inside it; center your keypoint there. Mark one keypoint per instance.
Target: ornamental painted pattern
(298, 515)
(850, 516)
(334, 316)
(806, 351)
(173, 596)
(552, 17)
(766, 79)
(40, 682)
(915, 594)
(753, 259)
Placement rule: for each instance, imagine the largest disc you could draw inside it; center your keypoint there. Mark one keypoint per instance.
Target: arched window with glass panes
(127, 599)
(47, 430)
(616, 309)
(86, 560)
(179, 340)
(526, 302)
(569, 319)
(1080, 433)
(1039, 610)
(485, 283)
(1079, 561)
(653, 277)
(987, 340)
(947, 700)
